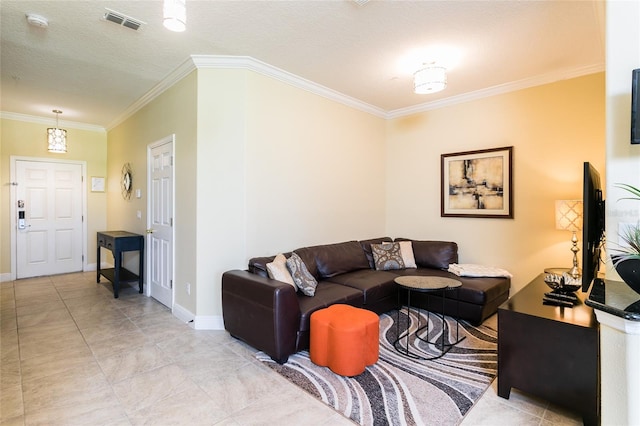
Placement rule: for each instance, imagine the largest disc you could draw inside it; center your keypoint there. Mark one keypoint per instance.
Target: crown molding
(174, 76)
(249, 63)
(51, 121)
(498, 90)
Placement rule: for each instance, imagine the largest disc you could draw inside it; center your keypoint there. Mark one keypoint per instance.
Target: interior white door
(160, 223)
(49, 240)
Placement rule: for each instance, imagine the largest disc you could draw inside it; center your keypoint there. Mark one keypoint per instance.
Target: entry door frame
(148, 252)
(13, 207)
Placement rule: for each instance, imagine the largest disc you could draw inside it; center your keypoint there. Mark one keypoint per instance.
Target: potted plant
(626, 259)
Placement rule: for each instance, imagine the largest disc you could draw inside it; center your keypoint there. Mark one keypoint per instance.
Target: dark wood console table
(118, 242)
(549, 351)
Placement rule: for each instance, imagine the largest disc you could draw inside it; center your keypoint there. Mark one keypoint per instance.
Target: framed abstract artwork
(477, 183)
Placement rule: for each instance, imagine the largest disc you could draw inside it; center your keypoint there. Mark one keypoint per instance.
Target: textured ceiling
(93, 70)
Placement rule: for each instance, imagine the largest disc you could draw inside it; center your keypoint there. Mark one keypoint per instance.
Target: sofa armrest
(262, 312)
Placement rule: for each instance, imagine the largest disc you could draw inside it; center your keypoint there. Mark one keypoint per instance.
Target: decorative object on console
(560, 279)
(57, 137)
(477, 184)
(626, 259)
(569, 218)
(431, 78)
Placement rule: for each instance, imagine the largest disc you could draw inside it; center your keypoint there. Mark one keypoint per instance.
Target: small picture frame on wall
(97, 184)
(477, 184)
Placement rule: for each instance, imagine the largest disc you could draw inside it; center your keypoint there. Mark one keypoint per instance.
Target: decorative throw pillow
(301, 275)
(387, 256)
(277, 270)
(406, 251)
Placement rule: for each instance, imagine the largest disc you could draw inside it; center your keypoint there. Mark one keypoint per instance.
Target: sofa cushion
(406, 251)
(301, 276)
(258, 265)
(277, 270)
(433, 254)
(335, 259)
(366, 246)
(387, 256)
(327, 294)
(374, 285)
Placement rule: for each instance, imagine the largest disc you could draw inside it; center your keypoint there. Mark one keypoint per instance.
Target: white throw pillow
(277, 270)
(406, 251)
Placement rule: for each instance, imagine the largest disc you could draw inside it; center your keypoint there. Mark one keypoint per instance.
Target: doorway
(48, 204)
(160, 211)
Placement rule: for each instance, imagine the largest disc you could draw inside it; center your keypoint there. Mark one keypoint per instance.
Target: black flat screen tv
(635, 107)
(593, 225)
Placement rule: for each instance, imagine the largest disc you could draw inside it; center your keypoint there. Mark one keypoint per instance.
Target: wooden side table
(550, 351)
(118, 242)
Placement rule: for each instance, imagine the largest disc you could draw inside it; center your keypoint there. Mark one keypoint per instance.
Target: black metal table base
(406, 335)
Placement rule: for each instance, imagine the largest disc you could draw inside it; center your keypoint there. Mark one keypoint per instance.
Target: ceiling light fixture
(57, 137)
(37, 20)
(431, 78)
(175, 15)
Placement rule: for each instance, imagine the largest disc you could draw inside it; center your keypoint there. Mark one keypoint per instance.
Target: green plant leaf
(631, 189)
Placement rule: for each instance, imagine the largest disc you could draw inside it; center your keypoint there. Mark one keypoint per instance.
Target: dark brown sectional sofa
(272, 317)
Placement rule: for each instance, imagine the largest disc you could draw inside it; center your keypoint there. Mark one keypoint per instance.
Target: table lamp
(569, 218)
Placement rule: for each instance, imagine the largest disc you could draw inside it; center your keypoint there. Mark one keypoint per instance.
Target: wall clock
(126, 181)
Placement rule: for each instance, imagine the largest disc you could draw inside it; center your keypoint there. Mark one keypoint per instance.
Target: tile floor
(71, 354)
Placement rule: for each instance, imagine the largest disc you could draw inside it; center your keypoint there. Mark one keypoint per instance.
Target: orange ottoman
(344, 338)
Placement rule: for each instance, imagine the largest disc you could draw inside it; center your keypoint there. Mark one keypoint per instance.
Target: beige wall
(28, 139)
(278, 168)
(553, 128)
(173, 112)
(315, 170)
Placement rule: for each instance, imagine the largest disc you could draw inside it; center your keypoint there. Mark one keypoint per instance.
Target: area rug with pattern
(399, 390)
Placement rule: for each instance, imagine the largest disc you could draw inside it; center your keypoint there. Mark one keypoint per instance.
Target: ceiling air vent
(122, 19)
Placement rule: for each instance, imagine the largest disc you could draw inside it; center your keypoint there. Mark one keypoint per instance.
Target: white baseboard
(209, 322)
(183, 314)
(201, 322)
(5, 277)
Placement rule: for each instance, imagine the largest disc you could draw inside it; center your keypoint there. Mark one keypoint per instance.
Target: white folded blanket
(471, 270)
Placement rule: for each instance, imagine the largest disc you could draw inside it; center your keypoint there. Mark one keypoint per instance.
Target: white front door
(49, 198)
(160, 222)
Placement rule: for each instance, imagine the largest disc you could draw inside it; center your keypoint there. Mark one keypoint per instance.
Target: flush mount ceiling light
(57, 137)
(175, 15)
(431, 78)
(37, 20)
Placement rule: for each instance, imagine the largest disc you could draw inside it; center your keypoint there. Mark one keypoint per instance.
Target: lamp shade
(175, 15)
(430, 79)
(57, 137)
(569, 215)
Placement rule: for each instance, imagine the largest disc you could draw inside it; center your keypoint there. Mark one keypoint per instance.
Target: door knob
(150, 231)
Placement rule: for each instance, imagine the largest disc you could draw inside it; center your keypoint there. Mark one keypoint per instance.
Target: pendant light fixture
(175, 15)
(57, 137)
(431, 78)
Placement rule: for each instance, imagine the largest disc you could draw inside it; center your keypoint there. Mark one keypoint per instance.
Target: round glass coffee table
(425, 285)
